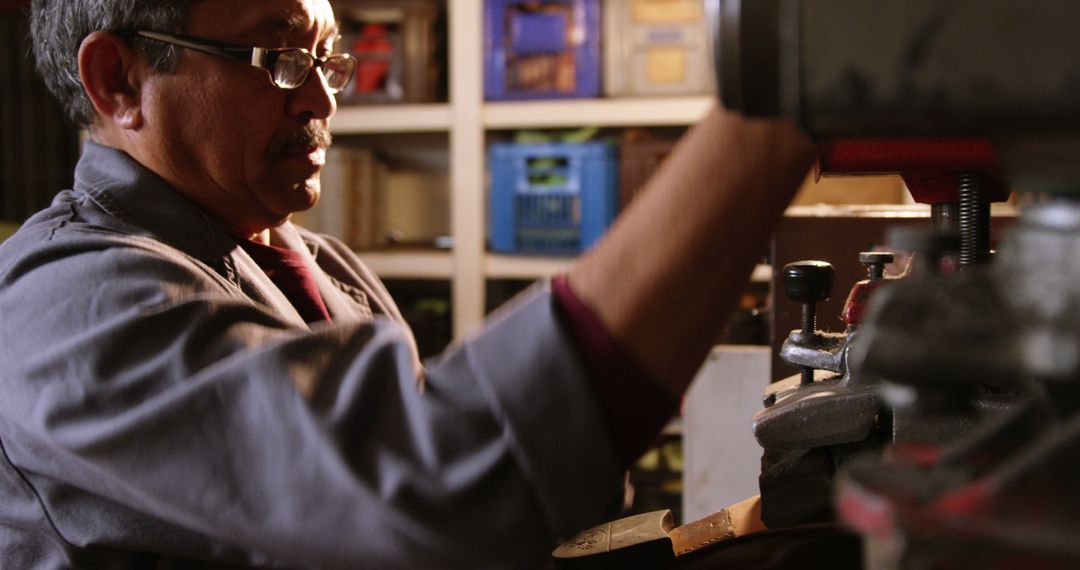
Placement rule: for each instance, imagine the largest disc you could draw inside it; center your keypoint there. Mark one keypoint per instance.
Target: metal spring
(974, 221)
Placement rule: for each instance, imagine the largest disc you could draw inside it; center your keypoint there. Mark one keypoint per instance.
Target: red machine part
(931, 168)
(858, 299)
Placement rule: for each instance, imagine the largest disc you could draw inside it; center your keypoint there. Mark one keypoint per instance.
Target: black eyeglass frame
(262, 58)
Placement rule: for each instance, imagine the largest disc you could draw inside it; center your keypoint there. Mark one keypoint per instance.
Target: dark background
(38, 147)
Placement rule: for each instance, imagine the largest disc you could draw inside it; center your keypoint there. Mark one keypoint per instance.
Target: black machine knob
(808, 282)
(875, 262)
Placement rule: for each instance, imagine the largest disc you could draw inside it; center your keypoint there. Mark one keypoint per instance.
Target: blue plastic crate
(551, 199)
(541, 49)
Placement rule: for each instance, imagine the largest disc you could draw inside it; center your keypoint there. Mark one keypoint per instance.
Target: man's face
(224, 135)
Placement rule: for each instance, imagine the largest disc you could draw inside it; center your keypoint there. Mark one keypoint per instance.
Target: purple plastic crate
(538, 32)
(546, 49)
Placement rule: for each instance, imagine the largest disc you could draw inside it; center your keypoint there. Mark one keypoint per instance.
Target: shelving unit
(420, 264)
(637, 112)
(498, 266)
(466, 119)
(357, 119)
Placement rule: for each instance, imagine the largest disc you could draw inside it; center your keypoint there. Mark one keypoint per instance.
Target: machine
(941, 428)
(946, 422)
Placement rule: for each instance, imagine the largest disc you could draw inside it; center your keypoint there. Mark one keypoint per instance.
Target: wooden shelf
(432, 264)
(668, 111)
(575, 113)
(411, 264)
(361, 119)
(498, 266)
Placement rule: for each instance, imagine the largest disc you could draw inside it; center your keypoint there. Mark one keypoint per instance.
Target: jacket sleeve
(142, 385)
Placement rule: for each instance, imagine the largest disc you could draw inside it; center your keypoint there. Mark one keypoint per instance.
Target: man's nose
(314, 97)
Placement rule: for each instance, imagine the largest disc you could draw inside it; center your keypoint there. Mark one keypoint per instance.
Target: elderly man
(189, 379)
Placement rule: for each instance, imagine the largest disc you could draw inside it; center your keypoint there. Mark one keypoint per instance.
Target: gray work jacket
(163, 405)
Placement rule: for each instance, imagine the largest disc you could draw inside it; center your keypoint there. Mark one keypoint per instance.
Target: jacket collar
(132, 193)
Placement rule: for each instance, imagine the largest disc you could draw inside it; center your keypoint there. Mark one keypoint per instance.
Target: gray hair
(58, 27)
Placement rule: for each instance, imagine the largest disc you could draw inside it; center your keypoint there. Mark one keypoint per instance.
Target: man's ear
(112, 75)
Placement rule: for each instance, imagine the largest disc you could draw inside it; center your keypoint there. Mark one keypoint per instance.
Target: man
(188, 378)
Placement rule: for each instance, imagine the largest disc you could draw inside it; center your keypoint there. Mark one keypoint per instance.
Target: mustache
(313, 135)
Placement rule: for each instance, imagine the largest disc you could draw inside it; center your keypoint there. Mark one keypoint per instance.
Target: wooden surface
(740, 519)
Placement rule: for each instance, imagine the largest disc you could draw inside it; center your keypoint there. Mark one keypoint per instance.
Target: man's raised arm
(666, 277)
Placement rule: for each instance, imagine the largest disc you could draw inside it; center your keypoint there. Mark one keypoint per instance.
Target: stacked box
(399, 48)
(656, 47)
(541, 49)
(369, 205)
(416, 207)
(551, 199)
(350, 205)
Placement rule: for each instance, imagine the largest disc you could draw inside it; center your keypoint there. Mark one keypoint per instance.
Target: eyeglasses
(288, 67)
